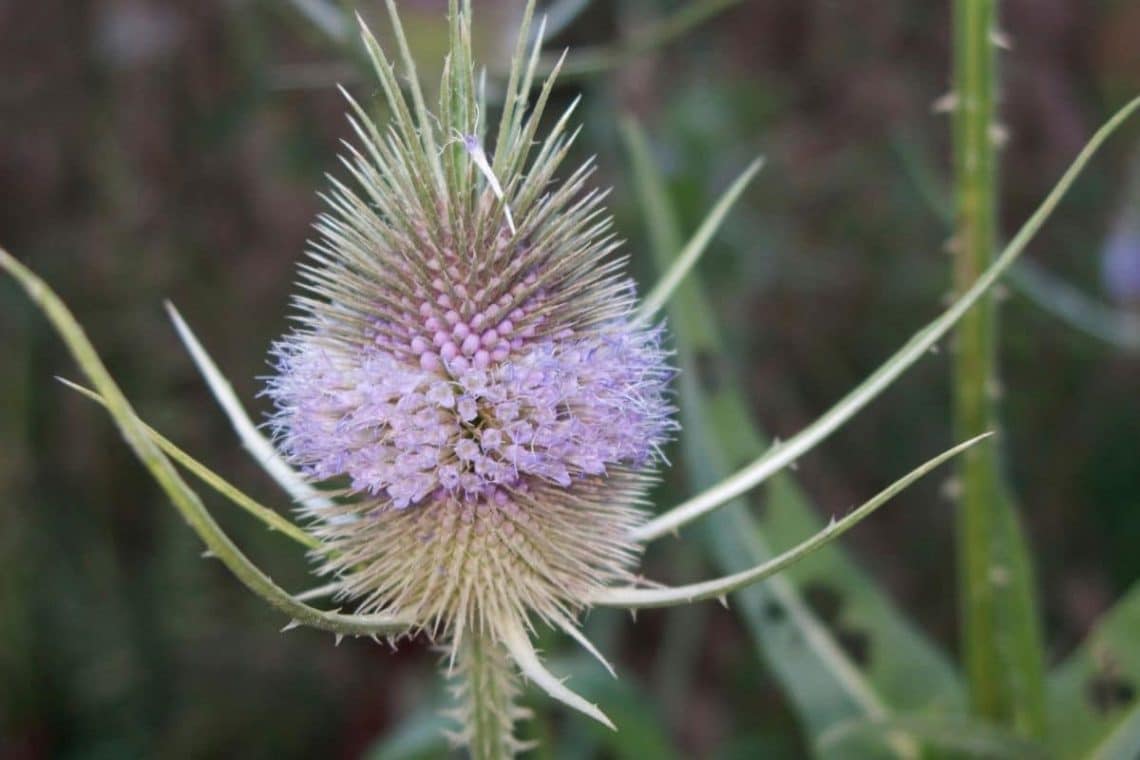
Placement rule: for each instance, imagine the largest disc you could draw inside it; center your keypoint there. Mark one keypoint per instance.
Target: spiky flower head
(468, 365)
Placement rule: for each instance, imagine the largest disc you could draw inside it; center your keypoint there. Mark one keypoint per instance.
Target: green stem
(1000, 629)
(487, 696)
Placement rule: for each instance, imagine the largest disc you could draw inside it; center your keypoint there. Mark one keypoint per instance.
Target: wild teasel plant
(470, 412)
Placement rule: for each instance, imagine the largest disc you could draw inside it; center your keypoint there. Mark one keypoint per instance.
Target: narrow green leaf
(1116, 327)
(821, 679)
(1055, 296)
(560, 14)
(182, 496)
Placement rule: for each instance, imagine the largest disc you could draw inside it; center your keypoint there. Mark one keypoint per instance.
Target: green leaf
(1118, 328)
(1094, 695)
(825, 683)
(326, 17)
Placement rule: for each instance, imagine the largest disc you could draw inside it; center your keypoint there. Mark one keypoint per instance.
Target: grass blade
(1050, 293)
(326, 17)
(1054, 295)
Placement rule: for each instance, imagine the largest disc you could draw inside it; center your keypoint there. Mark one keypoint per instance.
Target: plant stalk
(487, 692)
(1001, 638)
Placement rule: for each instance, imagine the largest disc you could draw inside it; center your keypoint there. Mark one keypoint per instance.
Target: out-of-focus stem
(1001, 640)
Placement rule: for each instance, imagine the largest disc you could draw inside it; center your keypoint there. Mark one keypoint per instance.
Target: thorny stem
(486, 691)
(1001, 639)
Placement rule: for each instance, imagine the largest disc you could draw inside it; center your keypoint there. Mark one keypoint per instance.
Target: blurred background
(153, 150)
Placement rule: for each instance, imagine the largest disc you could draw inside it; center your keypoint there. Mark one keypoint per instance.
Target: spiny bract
(469, 366)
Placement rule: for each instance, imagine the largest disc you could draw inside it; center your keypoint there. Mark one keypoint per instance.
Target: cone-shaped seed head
(467, 364)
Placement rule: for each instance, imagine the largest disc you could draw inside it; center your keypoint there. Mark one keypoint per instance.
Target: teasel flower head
(467, 366)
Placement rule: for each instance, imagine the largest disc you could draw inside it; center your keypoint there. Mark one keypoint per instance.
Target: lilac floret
(562, 409)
